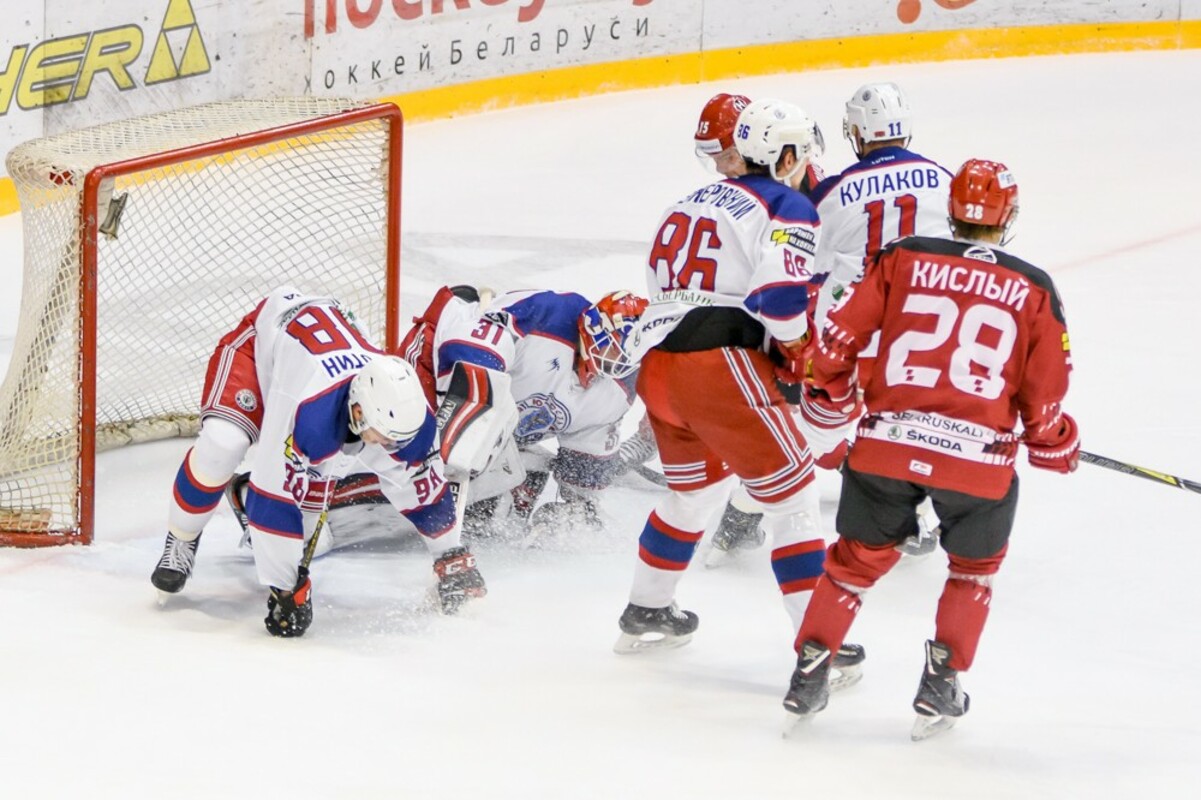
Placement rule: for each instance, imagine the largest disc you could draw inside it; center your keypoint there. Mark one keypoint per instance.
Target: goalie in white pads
(534, 365)
(299, 378)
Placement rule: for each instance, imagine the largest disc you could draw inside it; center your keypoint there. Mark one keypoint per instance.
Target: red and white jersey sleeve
(970, 338)
(747, 243)
(889, 194)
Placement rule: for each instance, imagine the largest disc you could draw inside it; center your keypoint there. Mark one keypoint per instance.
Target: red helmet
(984, 193)
(715, 128)
(604, 327)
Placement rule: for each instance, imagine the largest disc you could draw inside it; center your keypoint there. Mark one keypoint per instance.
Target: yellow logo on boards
(179, 25)
(63, 70)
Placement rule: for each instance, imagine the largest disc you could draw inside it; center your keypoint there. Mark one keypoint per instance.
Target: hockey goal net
(145, 240)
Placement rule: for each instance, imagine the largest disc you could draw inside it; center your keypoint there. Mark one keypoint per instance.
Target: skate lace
(178, 555)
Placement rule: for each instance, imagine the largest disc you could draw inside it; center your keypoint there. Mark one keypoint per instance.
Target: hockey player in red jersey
(727, 271)
(972, 339)
(297, 377)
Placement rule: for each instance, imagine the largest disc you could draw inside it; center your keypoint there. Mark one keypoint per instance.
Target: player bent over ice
(971, 338)
(507, 375)
(297, 377)
(726, 265)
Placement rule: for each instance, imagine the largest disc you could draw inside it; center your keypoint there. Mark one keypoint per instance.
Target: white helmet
(877, 111)
(766, 127)
(390, 399)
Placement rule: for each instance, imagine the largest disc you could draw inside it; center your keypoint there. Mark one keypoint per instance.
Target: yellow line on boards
(766, 59)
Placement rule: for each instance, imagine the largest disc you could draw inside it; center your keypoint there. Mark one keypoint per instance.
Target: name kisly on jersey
(930, 275)
(853, 191)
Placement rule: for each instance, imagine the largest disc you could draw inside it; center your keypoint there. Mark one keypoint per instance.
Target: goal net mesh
(197, 244)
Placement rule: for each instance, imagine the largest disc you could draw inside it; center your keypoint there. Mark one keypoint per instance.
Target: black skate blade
(630, 644)
(924, 727)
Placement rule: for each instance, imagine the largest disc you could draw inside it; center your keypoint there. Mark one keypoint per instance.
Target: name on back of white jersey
(853, 190)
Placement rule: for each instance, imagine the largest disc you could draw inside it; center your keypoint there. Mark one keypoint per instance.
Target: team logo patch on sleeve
(800, 238)
(246, 400)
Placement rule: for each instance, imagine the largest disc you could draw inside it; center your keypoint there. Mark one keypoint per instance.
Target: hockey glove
(825, 412)
(790, 360)
(1059, 451)
(290, 613)
(458, 579)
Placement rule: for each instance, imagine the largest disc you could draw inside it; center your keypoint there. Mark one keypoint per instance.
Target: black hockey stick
(654, 476)
(311, 546)
(1141, 472)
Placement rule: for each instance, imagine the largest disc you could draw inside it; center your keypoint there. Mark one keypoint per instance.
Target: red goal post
(145, 240)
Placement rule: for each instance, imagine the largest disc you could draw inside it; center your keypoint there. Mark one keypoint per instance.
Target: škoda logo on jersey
(64, 69)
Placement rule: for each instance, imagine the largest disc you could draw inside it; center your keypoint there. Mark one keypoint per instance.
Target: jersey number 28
(987, 380)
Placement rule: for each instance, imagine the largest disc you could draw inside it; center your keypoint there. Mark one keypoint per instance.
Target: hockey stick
(654, 476)
(1141, 472)
(310, 547)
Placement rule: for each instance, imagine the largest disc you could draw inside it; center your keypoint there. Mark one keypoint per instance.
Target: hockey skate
(175, 566)
(809, 688)
(940, 700)
(848, 667)
(644, 629)
(738, 530)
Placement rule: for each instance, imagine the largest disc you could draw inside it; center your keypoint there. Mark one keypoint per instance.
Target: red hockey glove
(790, 359)
(1059, 450)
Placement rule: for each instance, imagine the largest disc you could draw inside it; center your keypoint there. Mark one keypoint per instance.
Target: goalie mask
(390, 399)
(984, 193)
(604, 327)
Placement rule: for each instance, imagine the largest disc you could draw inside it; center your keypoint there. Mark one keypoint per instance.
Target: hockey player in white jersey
(559, 358)
(740, 527)
(729, 271)
(297, 377)
(889, 193)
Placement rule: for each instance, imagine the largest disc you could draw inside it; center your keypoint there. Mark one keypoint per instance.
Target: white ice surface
(1086, 682)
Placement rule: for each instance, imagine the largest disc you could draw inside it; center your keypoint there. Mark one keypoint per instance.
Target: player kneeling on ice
(508, 374)
(725, 272)
(961, 358)
(297, 377)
